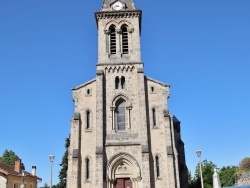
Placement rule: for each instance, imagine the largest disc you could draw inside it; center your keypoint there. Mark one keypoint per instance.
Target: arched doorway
(123, 171)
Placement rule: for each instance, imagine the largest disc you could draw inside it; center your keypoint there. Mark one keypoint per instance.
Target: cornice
(118, 14)
(117, 63)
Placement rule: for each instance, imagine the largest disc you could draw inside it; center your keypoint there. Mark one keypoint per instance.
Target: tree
(227, 175)
(63, 172)
(207, 172)
(243, 172)
(9, 158)
(245, 164)
(189, 178)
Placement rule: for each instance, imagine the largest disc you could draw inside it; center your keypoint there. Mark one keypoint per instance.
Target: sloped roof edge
(158, 82)
(84, 84)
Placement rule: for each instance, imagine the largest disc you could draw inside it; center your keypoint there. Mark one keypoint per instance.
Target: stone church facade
(122, 133)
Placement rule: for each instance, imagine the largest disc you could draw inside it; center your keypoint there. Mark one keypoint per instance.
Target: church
(122, 134)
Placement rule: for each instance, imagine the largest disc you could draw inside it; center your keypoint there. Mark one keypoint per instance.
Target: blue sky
(202, 48)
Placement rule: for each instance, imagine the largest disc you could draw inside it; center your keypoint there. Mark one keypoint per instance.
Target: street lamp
(51, 158)
(198, 152)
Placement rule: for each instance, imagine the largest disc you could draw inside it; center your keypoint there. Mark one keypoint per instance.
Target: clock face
(117, 6)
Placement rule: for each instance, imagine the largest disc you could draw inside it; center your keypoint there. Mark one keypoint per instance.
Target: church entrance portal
(123, 171)
(123, 183)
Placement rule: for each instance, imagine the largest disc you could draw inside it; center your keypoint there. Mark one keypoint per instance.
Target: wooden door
(128, 183)
(123, 183)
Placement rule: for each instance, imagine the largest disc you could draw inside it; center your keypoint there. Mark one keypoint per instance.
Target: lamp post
(198, 152)
(51, 158)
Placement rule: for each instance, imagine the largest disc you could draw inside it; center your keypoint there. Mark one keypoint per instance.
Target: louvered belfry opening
(112, 40)
(124, 39)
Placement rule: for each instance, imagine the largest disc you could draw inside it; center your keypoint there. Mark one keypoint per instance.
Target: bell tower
(119, 29)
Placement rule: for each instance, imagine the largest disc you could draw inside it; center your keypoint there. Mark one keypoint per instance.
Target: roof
(83, 85)
(175, 119)
(10, 170)
(158, 82)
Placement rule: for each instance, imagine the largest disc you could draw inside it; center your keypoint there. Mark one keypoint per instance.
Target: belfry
(122, 134)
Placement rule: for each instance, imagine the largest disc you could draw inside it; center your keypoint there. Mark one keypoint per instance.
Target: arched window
(123, 82)
(87, 119)
(157, 166)
(120, 115)
(87, 165)
(117, 82)
(124, 39)
(112, 40)
(154, 116)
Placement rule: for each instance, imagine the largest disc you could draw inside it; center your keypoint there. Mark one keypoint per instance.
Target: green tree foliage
(227, 175)
(64, 164)
(207, 172)
(245, 164)
(189, 178)
(195, 183)
(9, 157)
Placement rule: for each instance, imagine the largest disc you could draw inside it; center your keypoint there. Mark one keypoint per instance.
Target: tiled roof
(10, 170)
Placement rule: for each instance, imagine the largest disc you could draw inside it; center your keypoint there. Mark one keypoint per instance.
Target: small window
(157, 166)
(120, 115)
(87, 119)
(117, 80)
(87, 163)
(123, 82)
(152, 89)
(88, 92)
(125, 40)
(112, 40)
(154, 116)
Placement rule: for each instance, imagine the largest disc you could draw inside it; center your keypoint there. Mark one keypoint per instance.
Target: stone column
(113, 117)
(129, 108)
(107, 33)
(131, 38)
(119, 32)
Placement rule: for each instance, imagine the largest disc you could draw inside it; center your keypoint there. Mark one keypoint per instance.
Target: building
(122, 133)
(14, 177)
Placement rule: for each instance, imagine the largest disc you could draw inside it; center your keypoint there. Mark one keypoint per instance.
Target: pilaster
(99, 127)
(74, 156)
(171, 163)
